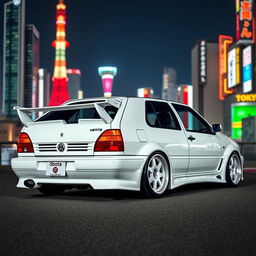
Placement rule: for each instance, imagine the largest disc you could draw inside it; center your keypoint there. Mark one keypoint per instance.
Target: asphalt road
(205, 219)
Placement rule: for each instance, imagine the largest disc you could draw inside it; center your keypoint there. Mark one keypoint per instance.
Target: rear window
(72, 116)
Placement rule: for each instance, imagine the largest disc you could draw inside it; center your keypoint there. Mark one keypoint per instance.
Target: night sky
(139, 37)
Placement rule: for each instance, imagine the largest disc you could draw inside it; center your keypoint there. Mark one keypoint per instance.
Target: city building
(185, 94)
(74, 83)
(146, 92)
(223, 75)
(13, 58)
(59, 92)
(204, 64)
(31, 66)
(169, 89)
(237, 71)
(43, 88)
(107, 75)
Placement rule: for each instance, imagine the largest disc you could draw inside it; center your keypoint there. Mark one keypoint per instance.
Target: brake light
(110, 140)
(25, 144)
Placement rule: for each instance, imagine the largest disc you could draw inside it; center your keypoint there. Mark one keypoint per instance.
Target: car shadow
(123, 195)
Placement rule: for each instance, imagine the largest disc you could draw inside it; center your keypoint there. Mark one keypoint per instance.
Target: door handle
(191, 138)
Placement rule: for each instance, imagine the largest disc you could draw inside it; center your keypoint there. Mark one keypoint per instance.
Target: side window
(160, 115)
(191, 120)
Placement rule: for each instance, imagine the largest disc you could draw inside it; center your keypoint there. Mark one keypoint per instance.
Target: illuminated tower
(107, 74)
(59, 87)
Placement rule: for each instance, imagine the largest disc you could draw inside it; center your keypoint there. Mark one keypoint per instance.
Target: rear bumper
(101, 172)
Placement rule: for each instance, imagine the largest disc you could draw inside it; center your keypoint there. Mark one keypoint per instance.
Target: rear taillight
(25, 144)
(110, 140)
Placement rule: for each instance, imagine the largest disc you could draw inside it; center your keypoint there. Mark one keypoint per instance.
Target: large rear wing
(99, 105)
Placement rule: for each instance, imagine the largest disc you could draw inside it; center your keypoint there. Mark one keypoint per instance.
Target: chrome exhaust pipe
(29, 183)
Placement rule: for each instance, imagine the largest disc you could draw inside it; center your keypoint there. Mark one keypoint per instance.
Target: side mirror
(216, 127)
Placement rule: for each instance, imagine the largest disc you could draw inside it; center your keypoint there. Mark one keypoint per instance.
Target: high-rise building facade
(31, 66)
(43, 87)
(205, 81)
(59, 92)
(74, 82)
(169, 89)
(13, 57)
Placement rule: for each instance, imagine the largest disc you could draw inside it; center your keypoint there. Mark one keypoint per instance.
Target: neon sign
(246, 97)
(224, 43)
(244, 21)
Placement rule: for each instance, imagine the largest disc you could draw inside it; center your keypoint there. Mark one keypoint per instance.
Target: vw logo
(16, 2)
(61, 147)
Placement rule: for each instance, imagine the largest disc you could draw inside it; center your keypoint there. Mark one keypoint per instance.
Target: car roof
(86, 100)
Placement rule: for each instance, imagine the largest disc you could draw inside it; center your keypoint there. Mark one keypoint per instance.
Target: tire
(156, 176)
(234, 170)
(50, 190)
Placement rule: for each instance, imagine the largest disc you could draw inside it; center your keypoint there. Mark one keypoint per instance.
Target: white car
(129, 143)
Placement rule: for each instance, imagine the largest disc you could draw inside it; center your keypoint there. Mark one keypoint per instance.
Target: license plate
(56, 169)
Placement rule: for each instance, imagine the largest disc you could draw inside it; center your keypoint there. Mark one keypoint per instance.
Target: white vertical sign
(232, 68)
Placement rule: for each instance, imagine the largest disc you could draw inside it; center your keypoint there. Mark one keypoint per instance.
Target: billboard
(247, 69)
(232, 68)
(202, 62)
(244, 21)
(240, 111)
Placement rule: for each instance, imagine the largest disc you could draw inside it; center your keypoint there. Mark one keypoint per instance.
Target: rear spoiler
(24, 113)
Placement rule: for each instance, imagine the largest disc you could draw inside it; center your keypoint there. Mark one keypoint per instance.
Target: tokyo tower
(59, 92)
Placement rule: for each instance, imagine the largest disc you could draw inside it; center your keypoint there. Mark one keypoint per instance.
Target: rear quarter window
(160, 115)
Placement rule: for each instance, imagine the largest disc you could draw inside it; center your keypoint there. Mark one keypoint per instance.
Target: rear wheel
(234, 170)
(50, 190)
(155, 177)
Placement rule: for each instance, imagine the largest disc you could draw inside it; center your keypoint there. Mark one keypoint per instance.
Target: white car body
(203, 159)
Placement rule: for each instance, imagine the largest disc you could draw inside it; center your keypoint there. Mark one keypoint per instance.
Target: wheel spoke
(160, 183)
(153, 163)
(161, 174)
(159, 166)
(150, 170)
(151, 179)
(155, 184)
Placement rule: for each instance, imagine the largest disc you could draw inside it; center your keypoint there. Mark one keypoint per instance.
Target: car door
(205, 148)
(164, 129)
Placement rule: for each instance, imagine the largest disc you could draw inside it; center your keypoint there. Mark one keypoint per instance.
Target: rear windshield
(72, 116)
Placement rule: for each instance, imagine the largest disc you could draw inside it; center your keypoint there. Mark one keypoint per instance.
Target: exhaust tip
(29, 183)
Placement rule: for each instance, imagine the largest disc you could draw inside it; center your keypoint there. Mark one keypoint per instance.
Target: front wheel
(234, 170)
(155, 176)
(51, 190)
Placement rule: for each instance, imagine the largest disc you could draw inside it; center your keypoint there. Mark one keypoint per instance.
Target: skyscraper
(31, 66)
(13, 57)
(43, 88)
(74, 82)
(59, 92)
(169, 89)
